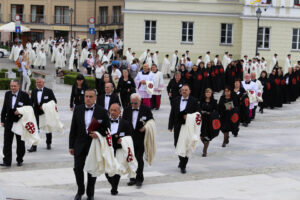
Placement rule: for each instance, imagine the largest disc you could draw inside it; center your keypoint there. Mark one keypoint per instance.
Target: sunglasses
(134, 103)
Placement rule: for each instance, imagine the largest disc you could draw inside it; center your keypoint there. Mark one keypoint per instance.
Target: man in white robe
(287, 64)
(225, 60)
(199, 60)
(84, 55)
(155, 58)
(216, 60)
(149, 60)
(143, 58)
(207, 58)
(59, 59)
(166, 65)
(174, 63)
(273, 63)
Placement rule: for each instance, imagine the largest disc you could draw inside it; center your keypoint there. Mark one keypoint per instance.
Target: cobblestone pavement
(262, 163)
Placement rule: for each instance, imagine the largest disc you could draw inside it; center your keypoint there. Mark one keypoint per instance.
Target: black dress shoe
(32, 149)
(49, 146)
(183, 170)
(5, 165)
(90, 198)
(78, 197)
(139, 184)
(20, 164)
(114, 192)
(131, 183)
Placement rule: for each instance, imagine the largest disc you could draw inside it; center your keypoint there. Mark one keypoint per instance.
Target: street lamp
(258, 15)
(71, 12)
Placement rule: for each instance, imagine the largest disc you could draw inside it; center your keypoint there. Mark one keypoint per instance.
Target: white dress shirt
(106, 101)
(183, 103)
(88, 115)
(14, 99)
(114, 126)
(134, 118)
(39, 95)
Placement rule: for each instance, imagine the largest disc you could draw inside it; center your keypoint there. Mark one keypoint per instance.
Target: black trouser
(7, 148)
(89, 70)
(76, 63)
(182, 160)
(253, 112)
(139, 150)
(114, 181)
(79, 162)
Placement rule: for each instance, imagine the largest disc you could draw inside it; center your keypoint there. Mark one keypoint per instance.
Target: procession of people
(118, 113)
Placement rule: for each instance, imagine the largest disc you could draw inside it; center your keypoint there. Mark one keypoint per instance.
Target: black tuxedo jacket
(79, 140)
(7, 113)
(125, 129)
(176, 117)
(47, 95)
(144, 115)
(113, 99)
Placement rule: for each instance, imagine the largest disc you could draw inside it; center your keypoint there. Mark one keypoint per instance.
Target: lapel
(188, 104)
(10, 100)
(120, 125)
(18, 99)
(130, 114)
(82, 113)
(43, 94)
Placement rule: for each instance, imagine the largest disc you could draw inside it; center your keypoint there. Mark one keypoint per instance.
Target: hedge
(70, 80)
(15, 70)
(4, 83)
(2, 74)
(4, 70)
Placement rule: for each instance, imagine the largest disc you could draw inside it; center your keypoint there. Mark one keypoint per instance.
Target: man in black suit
(138, 115)
(39, 96)
(80, 139)
(118, 129)
(109, 98)
(181, 106)
(13, 99)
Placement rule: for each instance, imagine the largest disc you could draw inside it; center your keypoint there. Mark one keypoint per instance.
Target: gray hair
(136, 95)
(15, 81)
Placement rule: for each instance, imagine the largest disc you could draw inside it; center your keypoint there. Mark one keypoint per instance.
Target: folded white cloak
(189, 135)
(126, 158)
(150, 141)
(27, 127)
(101, 158)
(49, 121)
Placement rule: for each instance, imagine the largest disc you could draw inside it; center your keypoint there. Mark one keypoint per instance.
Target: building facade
(213, 25)
(58, 18)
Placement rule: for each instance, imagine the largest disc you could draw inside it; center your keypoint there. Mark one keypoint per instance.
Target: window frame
(298, 40)
(150, 31)
(226, 35)
(187, 32)
(263, 38)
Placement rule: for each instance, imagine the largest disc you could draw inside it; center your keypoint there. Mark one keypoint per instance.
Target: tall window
(150, 30)
(61, 14)
(37, 14)
(103, 15)
(296, 39)
(17, 10)
(117, 14)
(226, 33)
(187, 32)
(297, 2)
(263, 38)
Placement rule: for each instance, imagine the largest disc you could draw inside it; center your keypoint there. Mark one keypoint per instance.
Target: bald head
(115, 110)
(108, 88)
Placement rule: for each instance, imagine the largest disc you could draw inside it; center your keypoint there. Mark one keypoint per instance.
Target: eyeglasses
(134, 103)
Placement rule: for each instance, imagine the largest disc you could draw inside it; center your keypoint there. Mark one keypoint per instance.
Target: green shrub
(4, 70)
(68, 72)
(15, 70)
(33, 84)
(2, 74)
(4, 83)
(70, 80)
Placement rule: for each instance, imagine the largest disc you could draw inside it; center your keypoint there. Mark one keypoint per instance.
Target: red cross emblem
(130, 156)
(108, 139)
(222, 70)
(216, 124)
(30, 127)
(150, 85)
(234, 118)
(198, 119)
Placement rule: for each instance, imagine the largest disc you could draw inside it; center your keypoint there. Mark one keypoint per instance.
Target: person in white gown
(166, 66)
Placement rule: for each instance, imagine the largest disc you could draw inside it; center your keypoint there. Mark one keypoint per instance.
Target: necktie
(114, 121)
(87, 109)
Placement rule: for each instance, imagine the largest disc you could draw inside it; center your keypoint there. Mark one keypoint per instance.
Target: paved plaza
(262, 163)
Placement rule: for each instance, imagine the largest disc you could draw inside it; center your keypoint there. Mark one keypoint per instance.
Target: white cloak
(49, 121)
(150, 141)
(165, 68)
(173, 64)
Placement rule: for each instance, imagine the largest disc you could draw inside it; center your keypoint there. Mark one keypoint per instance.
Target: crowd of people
(135, 85)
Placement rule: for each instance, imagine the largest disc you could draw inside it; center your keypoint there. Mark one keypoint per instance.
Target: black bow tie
(14, 95)
(87, 109)
(135, 109)
(39, 90)
(114, 121)
(184, 99)
(107, 95)
(247, 82)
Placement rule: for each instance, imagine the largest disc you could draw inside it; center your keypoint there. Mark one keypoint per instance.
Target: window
(150, 30)
(263, 38)
(103, 15)
(61, 14)
(17, 10)
(297, 2)
(117, 14)
(37, 14)
(296, 39)
(187, 32)
(226, 33)
(266, 1)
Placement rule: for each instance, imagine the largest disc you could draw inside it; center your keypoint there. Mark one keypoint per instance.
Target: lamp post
(258, 15)
(71, 12)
